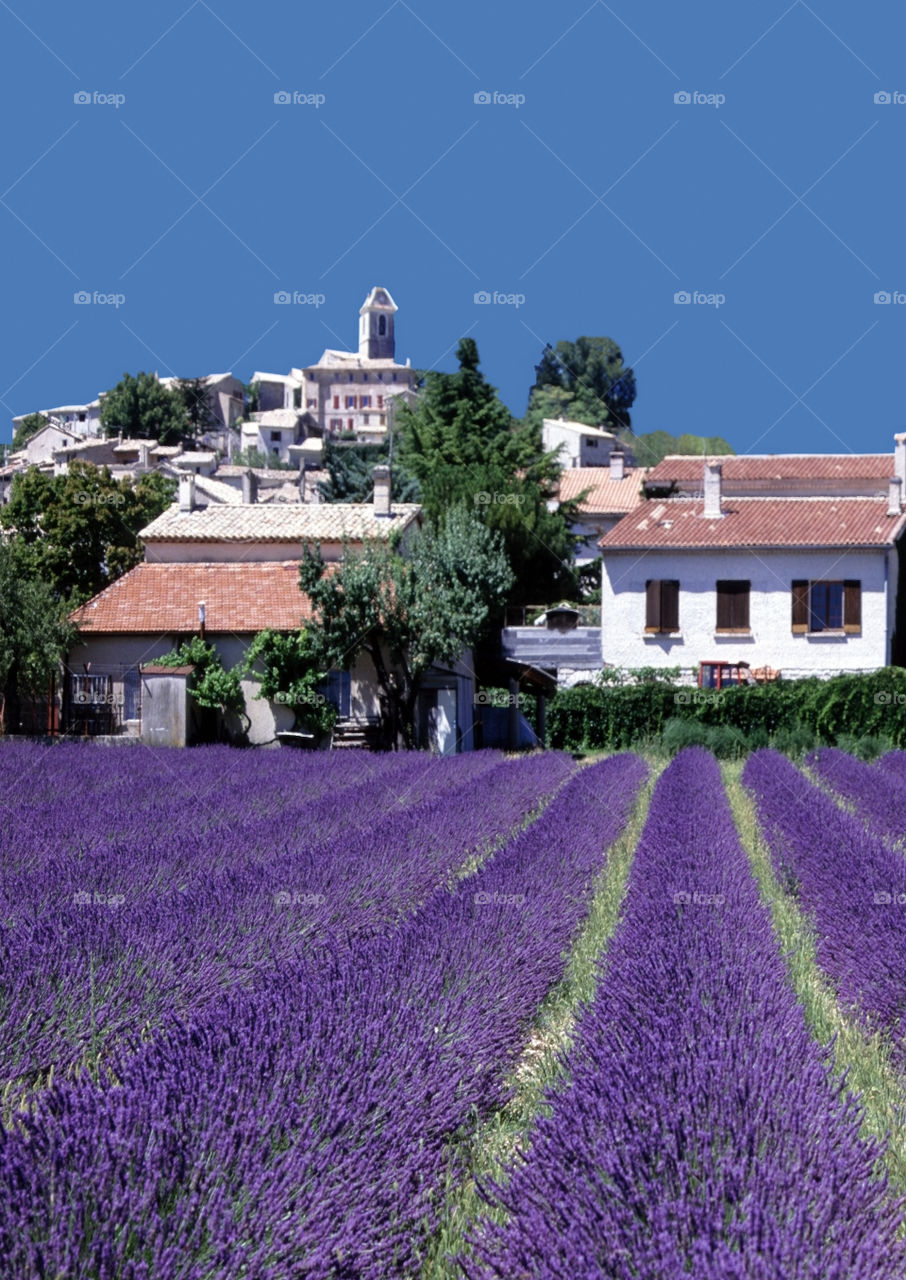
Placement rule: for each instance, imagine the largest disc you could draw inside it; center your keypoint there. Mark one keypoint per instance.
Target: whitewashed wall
(771, 643)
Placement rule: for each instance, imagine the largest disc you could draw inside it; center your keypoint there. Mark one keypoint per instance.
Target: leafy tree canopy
(350, 473)
(583, 381)
(79, 531)
(288, 668)
(200, 416)
(407, 614)
(143, 409)
(651, 447)
(34, 633)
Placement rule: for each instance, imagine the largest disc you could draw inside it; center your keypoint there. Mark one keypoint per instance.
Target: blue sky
(736, 155)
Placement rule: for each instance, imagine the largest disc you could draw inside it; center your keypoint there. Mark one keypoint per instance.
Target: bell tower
(376, 338)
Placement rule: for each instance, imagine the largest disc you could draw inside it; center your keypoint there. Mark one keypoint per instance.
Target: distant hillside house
(579, 445)
(345, 391)
(783, 564)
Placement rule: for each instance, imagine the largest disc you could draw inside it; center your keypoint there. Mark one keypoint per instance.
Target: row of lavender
(700, 1133)
(99, 939)
(844, 875)
(303, 1126)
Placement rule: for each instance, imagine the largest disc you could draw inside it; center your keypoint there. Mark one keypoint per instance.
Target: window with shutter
(733, 605)
(800, 606)
(852, 606)
(661, 605)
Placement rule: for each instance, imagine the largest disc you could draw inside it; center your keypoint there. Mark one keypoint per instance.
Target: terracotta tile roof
(283, 522)
(778, 467)
(605, 496)
(756, 522)
(156, 598)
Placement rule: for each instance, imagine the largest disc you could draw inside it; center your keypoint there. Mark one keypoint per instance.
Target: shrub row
(790, 714)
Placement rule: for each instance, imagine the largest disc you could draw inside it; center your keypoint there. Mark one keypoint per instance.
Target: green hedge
(613, 717)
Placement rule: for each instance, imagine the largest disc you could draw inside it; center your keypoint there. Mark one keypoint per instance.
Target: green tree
(584, 381)
(79, 531)
(350, 473)
(287, 666)
(407, 614)
(34, 633)
(651, 447)
(200, 416)
(28, 427)
(143, 409)
(464, 447)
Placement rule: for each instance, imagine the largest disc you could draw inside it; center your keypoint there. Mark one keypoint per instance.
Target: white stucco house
(785, 564)
(605, 495)
(577, 444)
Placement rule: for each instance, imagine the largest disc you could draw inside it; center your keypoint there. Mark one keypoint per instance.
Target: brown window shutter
(800, 605)
(669, 605)
(852, 605)
(733, 605)
(653, 604)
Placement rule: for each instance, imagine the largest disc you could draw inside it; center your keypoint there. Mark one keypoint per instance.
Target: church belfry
(376, 338)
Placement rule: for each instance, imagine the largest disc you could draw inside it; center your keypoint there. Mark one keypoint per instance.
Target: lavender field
(260, 1012)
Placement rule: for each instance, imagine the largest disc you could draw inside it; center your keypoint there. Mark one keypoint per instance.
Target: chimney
(894, 492)
(187, 490)
(381, 491)
(143, 451)
(899, 456)
(249, 486)
(616, 465)
(713, 472)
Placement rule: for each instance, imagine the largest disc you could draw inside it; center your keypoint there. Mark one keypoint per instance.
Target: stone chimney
(381, 491)
(143, 452)
(894, 495)
(713, 473)
(249, 486)
(899, 456)
(187, 490)
(617, 461)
